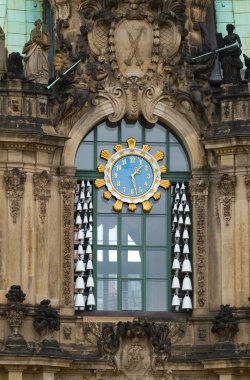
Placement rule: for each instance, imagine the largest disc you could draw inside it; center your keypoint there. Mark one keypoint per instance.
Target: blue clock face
(132, 176)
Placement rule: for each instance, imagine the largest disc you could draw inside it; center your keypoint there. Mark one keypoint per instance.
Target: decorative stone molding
(46, 320)
(226, 189)
(199, 10)
(63, 10)
(198, 188)
(138, 347)
(247, 182)
(42, 183)
(67, 189)
(14, 183)
(225, 324)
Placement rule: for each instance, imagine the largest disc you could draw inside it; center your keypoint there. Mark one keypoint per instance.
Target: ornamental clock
(132, 176)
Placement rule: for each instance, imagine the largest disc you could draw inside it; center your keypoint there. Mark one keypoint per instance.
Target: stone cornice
(231, 145)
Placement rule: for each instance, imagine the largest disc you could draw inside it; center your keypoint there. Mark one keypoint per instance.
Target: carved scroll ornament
(67, 189)
(226, 189)
(198, 188)
(41, 183)
(14, 183)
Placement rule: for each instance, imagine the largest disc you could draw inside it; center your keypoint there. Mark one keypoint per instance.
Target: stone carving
(15, 66)
(67, 332)
(14, 183)
(199, 10)
(230, 58)
(134, 55)
(46, 320)
(199, 191)
(247, 64)
(226, 189)
(63, 11)
(15, 312)
(67, 189)
(92, 332)
(36, 65)
(3, 55)
(41, 183)
(225, 324)
(136, 347)
(247, 182)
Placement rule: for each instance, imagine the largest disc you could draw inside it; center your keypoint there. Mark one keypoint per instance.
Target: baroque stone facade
(115, 60)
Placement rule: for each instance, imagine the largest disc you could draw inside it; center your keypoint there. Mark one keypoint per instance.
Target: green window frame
(134, 262)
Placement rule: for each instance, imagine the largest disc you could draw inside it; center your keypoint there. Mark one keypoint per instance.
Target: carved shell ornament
(132, 176)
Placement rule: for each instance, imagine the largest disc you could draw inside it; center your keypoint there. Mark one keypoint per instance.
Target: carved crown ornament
(134, 54)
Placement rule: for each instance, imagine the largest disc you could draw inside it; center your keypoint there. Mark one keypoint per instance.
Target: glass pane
(178, 159)
(172, 138)
(162, 148)
(90, 136)
(106, 133)
(131, 295)
(104, 146)
(131, 264)
(155, 134)
(103, 205)
(107, 263)
(131, 130)
(106, 230)
(156, 263)
(159, 207)
(156, 230)
(131, 230)
(85, 157)
(153, 290)
(107, 295)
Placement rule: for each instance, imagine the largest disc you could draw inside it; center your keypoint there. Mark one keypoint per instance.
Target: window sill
(158, 315)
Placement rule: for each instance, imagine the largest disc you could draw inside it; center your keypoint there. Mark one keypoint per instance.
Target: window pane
(103, 205)
(107, 263)
(131, 130)
(156, 266)
(160, 206)
(85, 157)
(131, 230)
(162, 148)
(178, 159)
(131, 295)
(106, 133)
(156, 230)
(131, 264)
(156, 295)
(155, 134)
(107, 230)
(107, 295)
(172, 138)
(104, 146)
(89, 137)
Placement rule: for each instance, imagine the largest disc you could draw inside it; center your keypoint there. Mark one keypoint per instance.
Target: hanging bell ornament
(82, 195)
(187, 303)
(90, 219)
(177, 197)
(80, 250)
(79, 206)
(187, 209)
(187, 221)
(186, 266)
(185, 234)
(91, 299)
(80, 266)
(88, 234)
(79, 283)
(187, 285)
(180, 220)
(175, 219)
(177, 248)
(90, 282)
(180, 209)
(85, 206)
(177, 233)
(88, 249)
(176, 264)
(88, 194)
(177, 185)
(186, 248)
(175, 207)
(183, 198)
(78, 220)
(79, 302)
(176, 283)
(90, 206)
(80, 234)
(175, 300)
(182, 186)
(89, 265)
(88, 183)
(83, 184)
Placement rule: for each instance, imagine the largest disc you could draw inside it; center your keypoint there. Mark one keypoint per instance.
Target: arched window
(125, 261)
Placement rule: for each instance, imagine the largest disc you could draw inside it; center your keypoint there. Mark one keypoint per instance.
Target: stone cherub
(36, 65)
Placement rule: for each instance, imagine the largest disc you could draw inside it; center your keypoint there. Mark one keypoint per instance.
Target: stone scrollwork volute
(198, 188)
(226, 189)
(133, 54)
(14, 183)
(67, 189)
(42, 183)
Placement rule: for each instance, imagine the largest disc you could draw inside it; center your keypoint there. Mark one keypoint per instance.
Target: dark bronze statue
(230, 58)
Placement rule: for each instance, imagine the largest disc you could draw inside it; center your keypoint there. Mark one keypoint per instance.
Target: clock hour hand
(136, 171)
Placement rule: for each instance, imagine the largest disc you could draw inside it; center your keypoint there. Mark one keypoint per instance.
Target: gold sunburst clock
(132, 176)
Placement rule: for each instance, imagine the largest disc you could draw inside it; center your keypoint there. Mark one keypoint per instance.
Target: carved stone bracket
(67, 189)
(226, 190)
(199, 192)
(247, 181)
(14, 183)
(41, 183)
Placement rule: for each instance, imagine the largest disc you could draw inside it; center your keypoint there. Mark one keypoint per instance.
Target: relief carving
(247, 182)
(135, 55)
(67, 189)
(226, 190)
(14, 183)
(63, 10)
(199, 191)
(42, 183)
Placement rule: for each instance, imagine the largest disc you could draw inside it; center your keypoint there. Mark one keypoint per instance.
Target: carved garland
(42, 183)
(67, 189)
(199, 192)
(14, 183)
(226, 189)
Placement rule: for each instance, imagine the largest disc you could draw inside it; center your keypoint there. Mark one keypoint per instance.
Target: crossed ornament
(134, 51)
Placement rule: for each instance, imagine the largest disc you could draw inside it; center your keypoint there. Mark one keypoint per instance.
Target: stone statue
(247, 64)
(3, 56)
(230, 58)
(36, 65)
